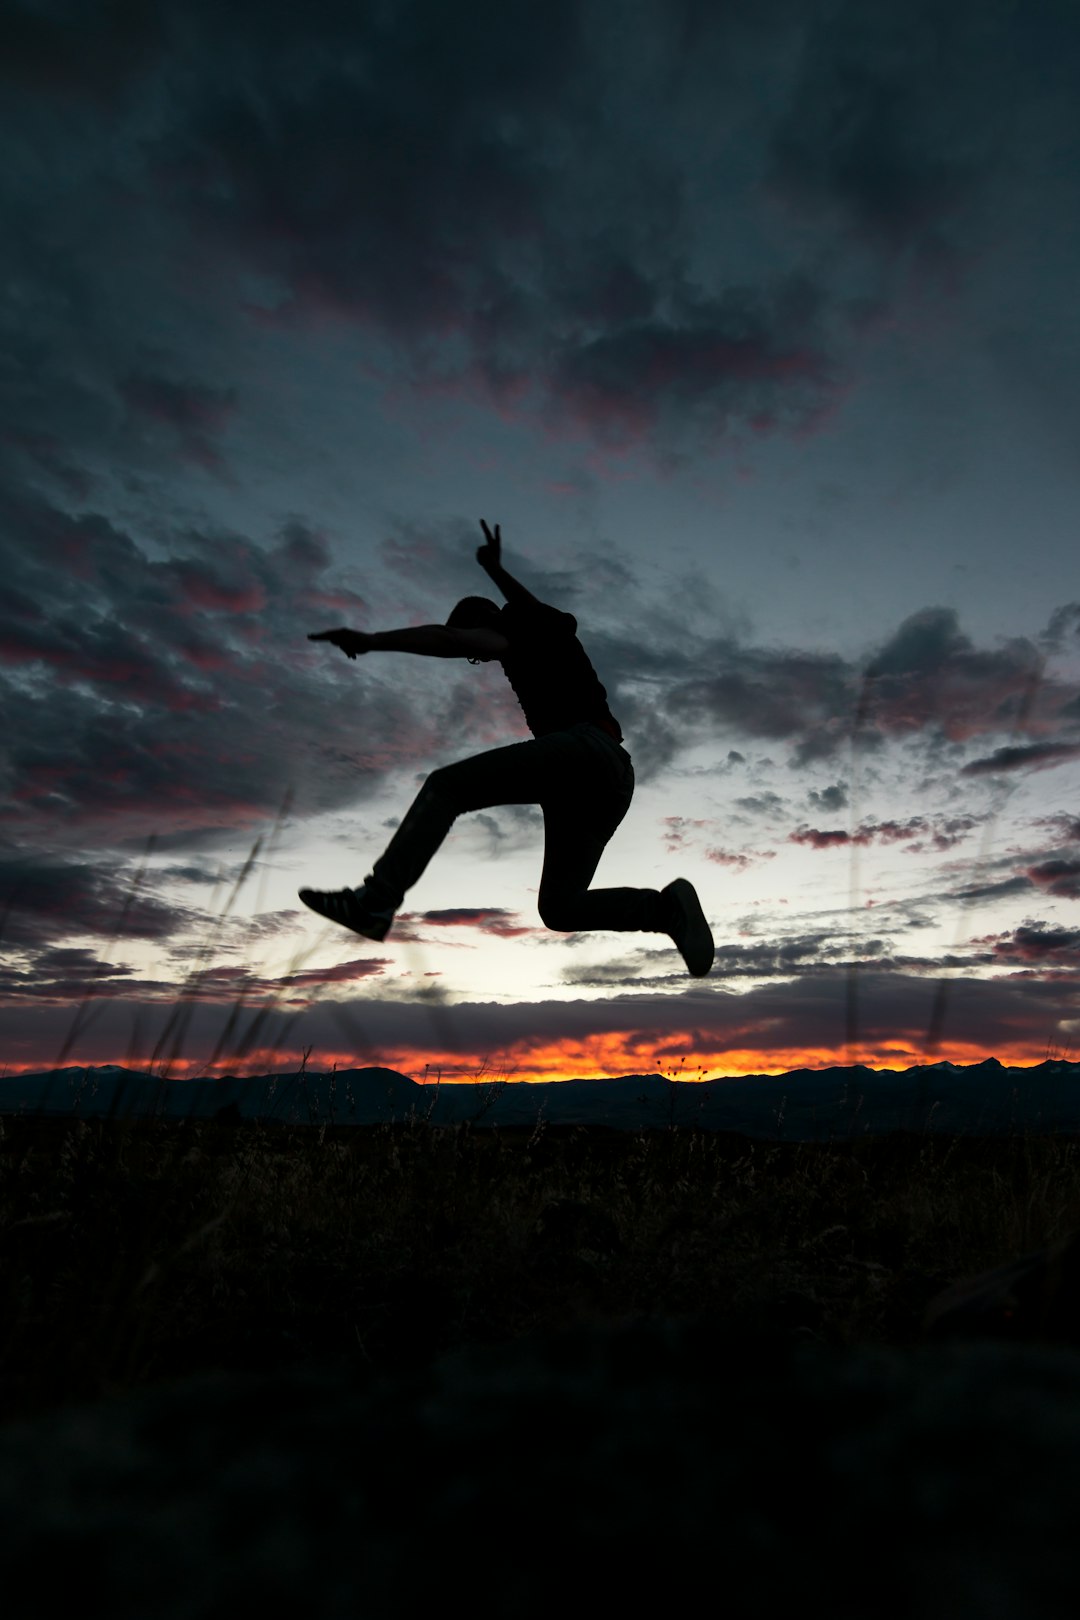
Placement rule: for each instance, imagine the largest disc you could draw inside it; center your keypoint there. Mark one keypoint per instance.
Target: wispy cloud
(797, 1019)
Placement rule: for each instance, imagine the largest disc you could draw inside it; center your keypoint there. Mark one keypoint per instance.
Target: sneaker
(689, 929)
(346, 906)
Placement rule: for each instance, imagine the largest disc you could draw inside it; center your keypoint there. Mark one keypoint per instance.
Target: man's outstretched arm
(489, 556)
(429, 640)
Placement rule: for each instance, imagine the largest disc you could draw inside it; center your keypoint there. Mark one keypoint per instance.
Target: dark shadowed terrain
(360, 1370)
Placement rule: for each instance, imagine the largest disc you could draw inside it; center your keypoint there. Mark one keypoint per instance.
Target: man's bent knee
(560, 912)
(439, 789)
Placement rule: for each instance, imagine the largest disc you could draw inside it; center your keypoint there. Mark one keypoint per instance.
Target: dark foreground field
(366, 1370)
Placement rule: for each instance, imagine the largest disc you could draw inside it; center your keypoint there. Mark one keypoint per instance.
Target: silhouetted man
(574, 767)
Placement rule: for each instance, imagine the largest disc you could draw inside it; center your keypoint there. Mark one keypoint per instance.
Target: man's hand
(351, 642)
(489, 554)
(489, 557)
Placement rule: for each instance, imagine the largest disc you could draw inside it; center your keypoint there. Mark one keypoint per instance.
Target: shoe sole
(697, 948)
(312, 898)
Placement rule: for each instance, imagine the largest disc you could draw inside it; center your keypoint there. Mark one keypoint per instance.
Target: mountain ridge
(800, 1104)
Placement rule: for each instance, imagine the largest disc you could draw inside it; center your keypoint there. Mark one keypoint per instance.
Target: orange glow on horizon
(608, 1056)
(603, 1056)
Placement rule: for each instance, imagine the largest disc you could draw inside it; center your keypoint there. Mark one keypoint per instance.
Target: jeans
(582, 779)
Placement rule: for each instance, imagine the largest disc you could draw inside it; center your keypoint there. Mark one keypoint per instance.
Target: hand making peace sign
(488, 556)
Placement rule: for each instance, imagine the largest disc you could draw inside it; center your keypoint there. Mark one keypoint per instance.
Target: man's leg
(518, 774)
(571, 857)
(578, 827)
(513, 775)
(573, 844)
(585, 788)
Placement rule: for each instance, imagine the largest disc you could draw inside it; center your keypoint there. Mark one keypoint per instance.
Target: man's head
(474, 613)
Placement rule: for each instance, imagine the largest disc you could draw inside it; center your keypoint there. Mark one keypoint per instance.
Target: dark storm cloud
(815, 952)
(1033, 756)
(752, 692)
(808, 1012)
(997, 889)
(1064, 626)
(803, 953)
(930, 673)
(78, 983)
(536, 204)
(480, 174)
(729, 357)
(1052, 948)
(93, 49)
(194, 413)
(47, 897)
(927, 677)
(830, 799)
(349, 159)
(761, 804)
(177, 696)
(1057, 877)
(870, 136)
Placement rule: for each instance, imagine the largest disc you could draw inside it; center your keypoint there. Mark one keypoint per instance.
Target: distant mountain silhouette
(802, 1105)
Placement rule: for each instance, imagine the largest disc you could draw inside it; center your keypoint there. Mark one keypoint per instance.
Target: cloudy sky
(753, 325)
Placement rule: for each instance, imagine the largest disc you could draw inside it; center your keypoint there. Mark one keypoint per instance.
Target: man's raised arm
(429, 640)
(489, 556)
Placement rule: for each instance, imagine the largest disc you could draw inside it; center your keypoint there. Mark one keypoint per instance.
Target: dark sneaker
(688, 927)
(346, 906)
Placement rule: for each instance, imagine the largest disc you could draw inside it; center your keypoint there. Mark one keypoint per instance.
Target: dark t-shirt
(550, 672)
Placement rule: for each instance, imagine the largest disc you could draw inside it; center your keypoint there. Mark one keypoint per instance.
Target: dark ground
(644, 1467)
(394, 1369)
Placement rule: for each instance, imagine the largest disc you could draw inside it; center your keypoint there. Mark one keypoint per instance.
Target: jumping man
(574, 767)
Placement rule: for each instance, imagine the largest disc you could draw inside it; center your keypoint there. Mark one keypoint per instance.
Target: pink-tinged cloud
(361, 206)
(942, 831)
(1034, 942)
(366, 967)
(207, 657)
(930, 673)
(816, 839)
(194, 412)
(102, 656)
(1057, 877)
(342, 605)
(679, 829)
(740, 861)
(200, 585)
(1065, 828)
(489, 920)
(620, 385)
(891, 832)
